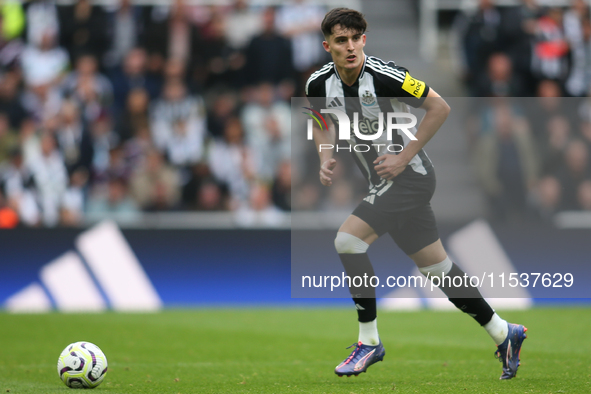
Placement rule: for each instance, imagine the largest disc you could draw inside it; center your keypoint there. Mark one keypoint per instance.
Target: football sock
(363, 297)
(497, 328)
(352, 252)
(465, 297)
(368, 333)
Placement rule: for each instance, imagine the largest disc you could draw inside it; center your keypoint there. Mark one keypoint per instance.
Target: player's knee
(438, 269)
(346, 243)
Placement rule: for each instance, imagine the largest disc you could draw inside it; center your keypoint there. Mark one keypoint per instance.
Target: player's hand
(326, 171)
(391, 166)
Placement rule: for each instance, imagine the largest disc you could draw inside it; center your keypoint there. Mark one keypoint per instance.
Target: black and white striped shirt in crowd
(380, 87)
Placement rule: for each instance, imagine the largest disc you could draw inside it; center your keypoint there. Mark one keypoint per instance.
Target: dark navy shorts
(402, 208)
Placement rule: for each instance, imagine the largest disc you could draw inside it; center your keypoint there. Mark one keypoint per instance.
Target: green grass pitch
(295, 351)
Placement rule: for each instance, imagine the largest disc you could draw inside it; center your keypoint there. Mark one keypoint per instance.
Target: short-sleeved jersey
(380, 87)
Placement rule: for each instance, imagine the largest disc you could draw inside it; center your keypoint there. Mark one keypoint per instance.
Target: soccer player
(401, 185)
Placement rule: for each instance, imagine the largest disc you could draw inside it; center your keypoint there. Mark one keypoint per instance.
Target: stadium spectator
(243, 23)
(268, 56)
(299, 22)
(547, 197)
(116, 204)
(551, 49)
(542, 109)
(224, 107)
(83, 29)
(175, 68)
(340, 197)
(124, 29)
(200, 178)
(29, 140)
(518, 25)
(500, 80)
(306, 197)
(179, 124)
(574, 172)
(260, 210)
(230, 163)
(92, 90)
(16, 180)
(556, 139)
(136, 149)
(584, 195)
(44, 63)
(281, 188)
(218, 65)
(267, 131)
(73, 200)
(10, 98)
(171, 34)
(577, 29)
(8, 138)
(74, 139)
(135, 115)
(479, 38)
(41, 102)
(51, 180)
(132, 75)
(42, 18)
(212, 197)
(507, 165)
(104, 139)
(584, 116)
(155, 185)
(119, 164)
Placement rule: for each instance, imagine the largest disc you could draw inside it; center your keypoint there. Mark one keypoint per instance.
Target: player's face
(346, 48)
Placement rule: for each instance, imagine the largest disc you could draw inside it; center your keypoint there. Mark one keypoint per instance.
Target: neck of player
(349, 75)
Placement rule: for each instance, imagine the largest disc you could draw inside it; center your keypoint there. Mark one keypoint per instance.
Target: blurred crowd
(532, 155)
(124, 109)
(127, 109)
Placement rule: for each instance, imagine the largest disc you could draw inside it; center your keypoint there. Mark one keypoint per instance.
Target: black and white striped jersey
(380, 87)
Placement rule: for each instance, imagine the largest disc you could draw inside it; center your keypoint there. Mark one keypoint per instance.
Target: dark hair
(348, 19)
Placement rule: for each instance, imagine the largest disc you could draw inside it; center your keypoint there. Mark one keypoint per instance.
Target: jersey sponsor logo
(368, 127)
(368, 99)
(413, 86)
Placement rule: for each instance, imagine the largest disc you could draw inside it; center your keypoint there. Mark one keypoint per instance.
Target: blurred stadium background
(145, 145)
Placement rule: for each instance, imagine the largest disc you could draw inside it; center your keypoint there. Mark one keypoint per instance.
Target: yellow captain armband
(413, 86)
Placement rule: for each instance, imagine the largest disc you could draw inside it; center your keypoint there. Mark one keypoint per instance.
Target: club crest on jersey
(368, 99)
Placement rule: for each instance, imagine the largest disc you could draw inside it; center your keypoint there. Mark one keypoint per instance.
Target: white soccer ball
(82, 365)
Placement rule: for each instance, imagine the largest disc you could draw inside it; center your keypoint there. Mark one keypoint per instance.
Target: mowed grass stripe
(295, 350)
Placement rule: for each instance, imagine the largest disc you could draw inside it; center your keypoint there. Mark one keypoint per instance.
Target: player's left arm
(436, 111)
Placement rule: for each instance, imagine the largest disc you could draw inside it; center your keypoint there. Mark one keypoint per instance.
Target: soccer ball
(82, 365)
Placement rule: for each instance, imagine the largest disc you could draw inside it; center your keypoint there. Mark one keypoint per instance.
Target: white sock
(368, 333)
(497, 328)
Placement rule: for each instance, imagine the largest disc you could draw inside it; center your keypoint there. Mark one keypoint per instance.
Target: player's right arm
(323, 138)
(316, 93)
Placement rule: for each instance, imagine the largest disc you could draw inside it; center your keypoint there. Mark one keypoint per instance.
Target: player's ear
(326, 46)
(364, 38)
